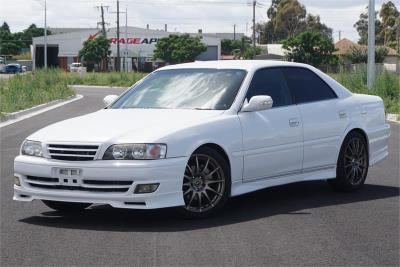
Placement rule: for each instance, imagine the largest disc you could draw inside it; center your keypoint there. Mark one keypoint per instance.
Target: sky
(180, 15)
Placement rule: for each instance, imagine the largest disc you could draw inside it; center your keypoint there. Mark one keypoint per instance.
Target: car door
(323, 120)
(272, 138)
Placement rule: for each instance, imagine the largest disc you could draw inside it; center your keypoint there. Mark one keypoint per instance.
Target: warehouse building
(136, 47)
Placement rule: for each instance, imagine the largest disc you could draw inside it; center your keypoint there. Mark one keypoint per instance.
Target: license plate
(69, 172)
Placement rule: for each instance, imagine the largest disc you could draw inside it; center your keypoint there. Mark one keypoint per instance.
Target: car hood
(122, 125)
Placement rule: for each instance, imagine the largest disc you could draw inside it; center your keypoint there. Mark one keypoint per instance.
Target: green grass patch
(386, 86)
(123, 79)
(24, 91)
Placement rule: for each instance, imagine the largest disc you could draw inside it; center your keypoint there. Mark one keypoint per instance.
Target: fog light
(17, 181)
(146, 188)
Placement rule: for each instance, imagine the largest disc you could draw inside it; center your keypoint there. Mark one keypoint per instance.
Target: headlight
(136, 151)
(32, 148)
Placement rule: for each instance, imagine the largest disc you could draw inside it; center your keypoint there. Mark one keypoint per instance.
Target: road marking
(37, 112)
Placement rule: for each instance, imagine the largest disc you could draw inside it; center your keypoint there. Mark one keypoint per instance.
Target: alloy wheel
(355, 161)
(203, 183)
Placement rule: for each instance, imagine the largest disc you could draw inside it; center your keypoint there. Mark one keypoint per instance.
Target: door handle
(294, 122)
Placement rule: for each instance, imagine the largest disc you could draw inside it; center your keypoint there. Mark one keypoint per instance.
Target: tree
(385, 28)
(95, 50)
(311, 48)
(8, 44)
(32, 31)
(5, 27)
(13, 43)
(359, 54)
(389, 14)
(314, 24)
(179, 48)
(228, 46)
(362, 28)
(288, 18)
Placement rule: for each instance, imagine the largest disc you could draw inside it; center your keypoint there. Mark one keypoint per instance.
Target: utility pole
(117, 65)
(340, 35)
(45, 34)
(126, 41)
(102, 22)
(371, 44)
(234, 31)
(103, 30)
(254, 26)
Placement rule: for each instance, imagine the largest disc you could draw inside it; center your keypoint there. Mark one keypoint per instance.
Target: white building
(136, 47)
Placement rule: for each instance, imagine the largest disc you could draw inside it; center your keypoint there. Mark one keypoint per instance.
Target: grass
(24, 91)
(124, 79)
(23, 56)
(387, 86)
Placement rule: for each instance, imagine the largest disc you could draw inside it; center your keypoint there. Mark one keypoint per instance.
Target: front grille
(72, 152)
(104, 182)
(87, 185)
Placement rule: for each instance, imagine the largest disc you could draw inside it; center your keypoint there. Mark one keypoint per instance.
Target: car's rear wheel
(206, 183)
(66, 206)
(352, 165)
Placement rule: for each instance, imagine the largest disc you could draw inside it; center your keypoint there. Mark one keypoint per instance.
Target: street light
(45, 33)
(371, 44)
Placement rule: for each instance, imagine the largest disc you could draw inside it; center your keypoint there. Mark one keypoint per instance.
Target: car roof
(248, 65)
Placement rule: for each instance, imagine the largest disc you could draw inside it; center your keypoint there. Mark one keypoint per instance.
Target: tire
(352, 165)
(66, 206)
(206, 184)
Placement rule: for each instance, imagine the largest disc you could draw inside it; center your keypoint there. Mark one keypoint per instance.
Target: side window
(270, 82)
(306, 86)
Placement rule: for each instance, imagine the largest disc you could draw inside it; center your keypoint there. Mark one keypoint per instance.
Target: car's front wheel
(66, 206)
(206, 183)
(352, 165)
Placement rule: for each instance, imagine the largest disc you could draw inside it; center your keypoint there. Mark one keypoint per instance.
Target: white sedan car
(193, 135)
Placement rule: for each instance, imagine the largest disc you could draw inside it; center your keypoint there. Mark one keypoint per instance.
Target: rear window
(306, 86)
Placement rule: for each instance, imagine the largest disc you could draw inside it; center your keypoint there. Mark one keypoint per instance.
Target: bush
(124, 79)
(28, 90)
(386, 86)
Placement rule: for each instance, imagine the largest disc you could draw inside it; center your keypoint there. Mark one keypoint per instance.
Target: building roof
(345, 46)
(68, 30)
(226, 35)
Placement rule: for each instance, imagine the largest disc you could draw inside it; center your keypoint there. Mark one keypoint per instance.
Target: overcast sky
(180, 15)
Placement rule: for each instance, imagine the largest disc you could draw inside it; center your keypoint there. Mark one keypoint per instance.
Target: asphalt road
(298, 224)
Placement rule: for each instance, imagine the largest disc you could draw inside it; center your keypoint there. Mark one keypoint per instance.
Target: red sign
(129, 40)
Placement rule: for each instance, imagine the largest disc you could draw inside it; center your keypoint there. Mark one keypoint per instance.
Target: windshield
(185, 89)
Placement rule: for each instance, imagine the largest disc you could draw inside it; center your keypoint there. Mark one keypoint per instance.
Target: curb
(11, 118)
(393, 118)
(76, 86)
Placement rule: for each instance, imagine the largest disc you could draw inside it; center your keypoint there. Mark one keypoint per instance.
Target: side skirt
(311, 174)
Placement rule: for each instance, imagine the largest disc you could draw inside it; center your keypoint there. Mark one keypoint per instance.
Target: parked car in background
(193, 135)
(75, 67)
(24, 68)
(13, 68)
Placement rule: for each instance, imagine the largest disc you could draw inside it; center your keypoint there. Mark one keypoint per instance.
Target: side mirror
(258, 102)
(109, 99)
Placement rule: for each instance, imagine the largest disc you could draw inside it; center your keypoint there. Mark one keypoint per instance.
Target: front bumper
(167, 172)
